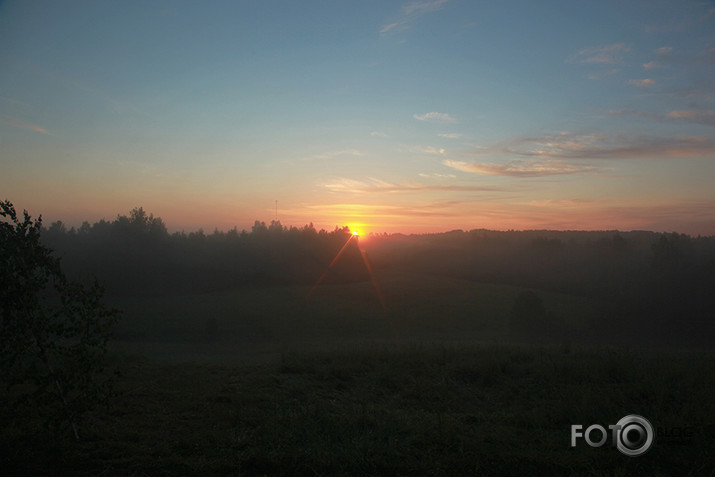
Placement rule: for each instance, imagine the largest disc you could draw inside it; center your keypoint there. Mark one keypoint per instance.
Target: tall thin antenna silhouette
(276, 210)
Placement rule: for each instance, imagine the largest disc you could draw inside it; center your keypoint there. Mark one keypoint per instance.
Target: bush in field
(53, 332)
(529, 320)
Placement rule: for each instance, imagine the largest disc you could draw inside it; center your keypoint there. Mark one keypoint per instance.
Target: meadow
(389, 410)
(261, 381)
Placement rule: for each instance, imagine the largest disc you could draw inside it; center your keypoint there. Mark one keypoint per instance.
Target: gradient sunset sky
(416, 116)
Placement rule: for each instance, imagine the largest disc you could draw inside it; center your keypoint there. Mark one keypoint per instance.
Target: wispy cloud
(662, 58)
(389, 27)
(694, 116)
(336, 154)
(450, 135)
(603, 74)
(606, 214)
(641, 83)
(410, 13)
(13, 101)
(601, 55)
(379, 134)
(434, 116)
(520, 168)
(664, 52)
(31, 127)
(437, 175)
(422, 7)
(373, 185)
(375, 212)
(697, 116)
(691, 16)
(427, 150)
(708, 56)
(563, 153)
(570, 146)
(686, 216)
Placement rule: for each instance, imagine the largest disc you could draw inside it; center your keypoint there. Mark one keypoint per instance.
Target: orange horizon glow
(689, 217)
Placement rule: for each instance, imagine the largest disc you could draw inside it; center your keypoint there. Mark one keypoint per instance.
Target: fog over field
(357, 238)
(275, 285)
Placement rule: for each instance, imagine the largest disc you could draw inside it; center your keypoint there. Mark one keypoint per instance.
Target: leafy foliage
(53, 331)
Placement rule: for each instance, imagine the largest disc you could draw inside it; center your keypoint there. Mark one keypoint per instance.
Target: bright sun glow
(357, 229)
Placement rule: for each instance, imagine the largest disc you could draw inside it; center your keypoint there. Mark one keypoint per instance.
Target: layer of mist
(607, 288)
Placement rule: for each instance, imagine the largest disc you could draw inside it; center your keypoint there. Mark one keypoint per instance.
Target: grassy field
(379, 410)
(261, 381)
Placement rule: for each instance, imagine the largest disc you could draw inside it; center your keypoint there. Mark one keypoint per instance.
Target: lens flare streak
(365, 260)
(372, 278)
(325, 273)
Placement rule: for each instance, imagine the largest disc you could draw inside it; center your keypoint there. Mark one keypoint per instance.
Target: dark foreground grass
(416, 410)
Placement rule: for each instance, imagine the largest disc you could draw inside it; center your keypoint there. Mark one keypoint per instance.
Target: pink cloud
(30, 127)
(520, 168)
(640, 83)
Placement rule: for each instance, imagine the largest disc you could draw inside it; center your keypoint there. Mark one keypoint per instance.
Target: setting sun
(357, 229)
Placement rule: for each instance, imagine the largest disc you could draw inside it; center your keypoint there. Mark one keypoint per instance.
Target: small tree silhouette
(53, 331)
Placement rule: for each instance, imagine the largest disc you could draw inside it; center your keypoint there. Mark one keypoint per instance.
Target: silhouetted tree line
(136, 255)
(654, 286)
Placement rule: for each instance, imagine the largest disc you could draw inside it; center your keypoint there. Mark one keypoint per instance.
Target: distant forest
(660, 286)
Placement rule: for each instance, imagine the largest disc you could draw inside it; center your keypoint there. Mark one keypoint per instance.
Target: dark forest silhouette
(655, 287)
(135, 254)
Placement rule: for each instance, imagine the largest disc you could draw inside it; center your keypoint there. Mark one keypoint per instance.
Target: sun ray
(373, 280)
(325, 273)
(355, 235)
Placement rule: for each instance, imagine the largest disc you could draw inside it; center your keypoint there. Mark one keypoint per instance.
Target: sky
(405, 116)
